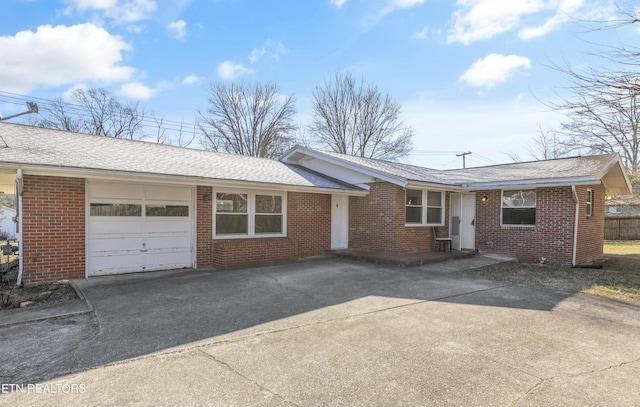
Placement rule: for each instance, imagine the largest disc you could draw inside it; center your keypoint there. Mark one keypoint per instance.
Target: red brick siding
(590, 229)
(232, 253)
(204, 227)
(309, 222)
(53, 229)
(308, 233)
(377, 222)
(552, 235)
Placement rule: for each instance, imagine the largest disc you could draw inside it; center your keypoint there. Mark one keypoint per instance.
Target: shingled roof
(38, 148)
(563, 171)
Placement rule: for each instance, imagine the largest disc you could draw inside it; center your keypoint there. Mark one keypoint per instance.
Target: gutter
(20, 226)
(575, 225)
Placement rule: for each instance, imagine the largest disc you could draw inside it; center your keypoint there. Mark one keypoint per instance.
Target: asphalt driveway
(326, 332)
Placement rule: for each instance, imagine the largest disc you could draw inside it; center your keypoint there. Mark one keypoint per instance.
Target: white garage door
(138, 228)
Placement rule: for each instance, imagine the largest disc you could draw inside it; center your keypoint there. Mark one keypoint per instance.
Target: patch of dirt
(17, 297)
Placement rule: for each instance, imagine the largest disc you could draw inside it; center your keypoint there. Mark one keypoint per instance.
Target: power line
(78, 110)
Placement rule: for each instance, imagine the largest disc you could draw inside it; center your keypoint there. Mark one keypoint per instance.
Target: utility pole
(463, 155)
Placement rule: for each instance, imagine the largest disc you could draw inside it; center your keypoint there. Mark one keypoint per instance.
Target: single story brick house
(91, 205)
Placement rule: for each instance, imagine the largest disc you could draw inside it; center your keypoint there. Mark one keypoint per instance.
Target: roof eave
(535, 183)
(376, 174)
(170, 178)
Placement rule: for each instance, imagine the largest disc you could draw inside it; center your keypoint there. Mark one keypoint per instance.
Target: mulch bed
(21, 297)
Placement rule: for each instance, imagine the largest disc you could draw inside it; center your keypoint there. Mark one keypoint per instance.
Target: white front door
(339, 222)
(468, 222)
(132, 227)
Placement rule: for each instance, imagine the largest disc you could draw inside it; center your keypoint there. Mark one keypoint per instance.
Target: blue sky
(466, 72)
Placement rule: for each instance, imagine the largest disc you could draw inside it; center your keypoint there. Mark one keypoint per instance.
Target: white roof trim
(343, 163)
(542, 183)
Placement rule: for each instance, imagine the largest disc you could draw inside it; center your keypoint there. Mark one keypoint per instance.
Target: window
(268, 214)
(416, 213)
(166, 210)
(231, 214)
(115, 209)
(414, 206)
(519, 207)
(589, 202)
(249, 214)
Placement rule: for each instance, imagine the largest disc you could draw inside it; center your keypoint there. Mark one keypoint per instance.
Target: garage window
(115, 209)
(166, 210)
(249, 214)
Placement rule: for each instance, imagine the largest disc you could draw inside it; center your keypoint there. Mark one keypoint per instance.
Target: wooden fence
(622, 228)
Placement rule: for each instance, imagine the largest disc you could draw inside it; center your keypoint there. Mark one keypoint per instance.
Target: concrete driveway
(326, 332)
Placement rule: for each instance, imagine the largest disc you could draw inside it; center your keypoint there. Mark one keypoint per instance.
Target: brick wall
(53, 229)
(377, 222)
(204, 227)
(590, 229)
(308, 234)
(309, 222)
(552, 235)
(232, 253)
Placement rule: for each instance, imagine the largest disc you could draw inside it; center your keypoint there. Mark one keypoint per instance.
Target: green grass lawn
(619, 278)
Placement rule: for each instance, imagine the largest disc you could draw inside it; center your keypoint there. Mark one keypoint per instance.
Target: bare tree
(93, 111)
(354, 118)
(602, 102)
(547, 145)
(248, 119)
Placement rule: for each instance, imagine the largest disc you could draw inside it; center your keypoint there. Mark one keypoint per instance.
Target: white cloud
(62, 55)
(178, 28)
(493, 69)
(228, 70)
(256, 54)
(192, 79)
(122, 11)
(380, 9)
(565, 10)
(338, 3)
(137, 91)
(483, 19)
(422, 34)
(405, 3)
(271, 48)
(479, 20)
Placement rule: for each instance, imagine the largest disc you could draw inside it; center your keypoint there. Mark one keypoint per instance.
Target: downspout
(19, 186)
(575, 225)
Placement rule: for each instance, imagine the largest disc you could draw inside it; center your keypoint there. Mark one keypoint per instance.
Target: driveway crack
(561, 376)
(254, 382)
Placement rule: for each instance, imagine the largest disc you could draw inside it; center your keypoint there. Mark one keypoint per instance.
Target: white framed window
(519, 207)
(240, 214)
(424, 207)
(589, 202)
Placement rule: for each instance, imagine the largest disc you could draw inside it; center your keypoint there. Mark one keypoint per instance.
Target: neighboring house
(7, 223)
(91, 205)
(622, 206)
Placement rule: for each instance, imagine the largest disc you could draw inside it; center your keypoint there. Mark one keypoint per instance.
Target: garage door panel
(167, 194)
(115, 191)
(183, 225)
(165, 261)
(121, 263)
(124, 244)
(178, 243)
(116, 245)
(117, 227)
